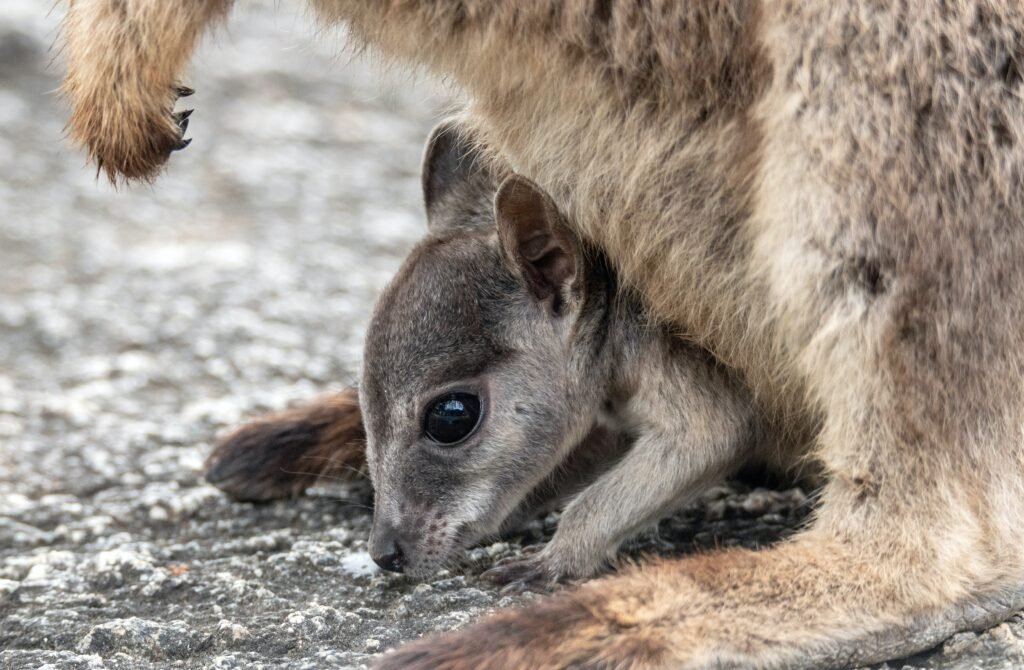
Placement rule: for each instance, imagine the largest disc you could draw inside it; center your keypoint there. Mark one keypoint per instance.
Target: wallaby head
(482, 364)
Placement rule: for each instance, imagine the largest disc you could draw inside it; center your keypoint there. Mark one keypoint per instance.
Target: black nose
(385, 548)
(394, 560)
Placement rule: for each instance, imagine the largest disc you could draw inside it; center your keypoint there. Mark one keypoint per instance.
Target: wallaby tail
(124, 60)
(280, 455)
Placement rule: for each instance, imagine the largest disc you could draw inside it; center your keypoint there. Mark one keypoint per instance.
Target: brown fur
(124, 60)
(827, 195)
(281, 455)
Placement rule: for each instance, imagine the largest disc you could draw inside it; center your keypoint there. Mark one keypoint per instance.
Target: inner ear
(457, 182)
(537, 239)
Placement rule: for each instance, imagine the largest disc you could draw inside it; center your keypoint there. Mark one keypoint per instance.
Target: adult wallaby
(825, 195)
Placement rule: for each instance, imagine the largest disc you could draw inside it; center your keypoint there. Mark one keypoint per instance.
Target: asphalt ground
(137, 325)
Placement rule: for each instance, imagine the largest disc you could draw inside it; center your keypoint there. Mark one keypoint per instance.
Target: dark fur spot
(864, 273)
(921, 117)
(1010, 72)
(870, 277)
(602, 11)
(866, 489)
(1001, 131)
(259, 462)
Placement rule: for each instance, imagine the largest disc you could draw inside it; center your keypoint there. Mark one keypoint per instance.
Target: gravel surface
(136, 326)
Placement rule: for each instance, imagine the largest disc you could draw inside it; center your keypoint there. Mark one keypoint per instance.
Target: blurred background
(138, 324)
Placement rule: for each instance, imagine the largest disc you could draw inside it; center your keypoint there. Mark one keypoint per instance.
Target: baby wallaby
(501, 342)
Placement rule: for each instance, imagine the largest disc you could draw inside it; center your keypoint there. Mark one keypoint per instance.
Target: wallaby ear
(457, 184)
(537, 239)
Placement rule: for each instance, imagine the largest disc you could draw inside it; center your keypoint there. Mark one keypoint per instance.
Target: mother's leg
(915, 538)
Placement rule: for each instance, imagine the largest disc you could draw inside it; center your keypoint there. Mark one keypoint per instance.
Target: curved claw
(181, 119)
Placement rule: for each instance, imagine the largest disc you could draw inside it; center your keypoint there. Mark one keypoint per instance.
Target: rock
(140, 638)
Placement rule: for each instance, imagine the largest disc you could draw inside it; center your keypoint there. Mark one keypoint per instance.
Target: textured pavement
(137, 325)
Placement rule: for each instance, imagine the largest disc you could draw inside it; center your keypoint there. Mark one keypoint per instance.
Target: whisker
(349, 503)
(335, 463)
(320, 475)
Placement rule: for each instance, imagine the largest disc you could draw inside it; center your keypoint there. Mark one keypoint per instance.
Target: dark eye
(452, 417)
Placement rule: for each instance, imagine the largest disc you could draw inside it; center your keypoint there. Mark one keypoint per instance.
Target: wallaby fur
(824, 194)
(282, 454)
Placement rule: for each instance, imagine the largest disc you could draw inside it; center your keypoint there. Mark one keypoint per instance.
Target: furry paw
(157, 138)
(530, 571)
(123, 63)
(131, 137)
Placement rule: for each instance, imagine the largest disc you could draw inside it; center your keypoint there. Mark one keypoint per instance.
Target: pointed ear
(537, 239)
(457, 183)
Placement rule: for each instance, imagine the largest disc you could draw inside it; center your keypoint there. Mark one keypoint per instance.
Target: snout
(417, 544)
(386, 548)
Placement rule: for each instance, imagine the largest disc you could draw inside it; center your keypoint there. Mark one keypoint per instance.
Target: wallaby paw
(530, 571)
(133, 137)
(163, 138)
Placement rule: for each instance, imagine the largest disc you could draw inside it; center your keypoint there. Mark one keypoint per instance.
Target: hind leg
(802, 605)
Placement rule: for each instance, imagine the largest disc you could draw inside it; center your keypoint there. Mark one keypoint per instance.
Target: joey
(503, 339)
